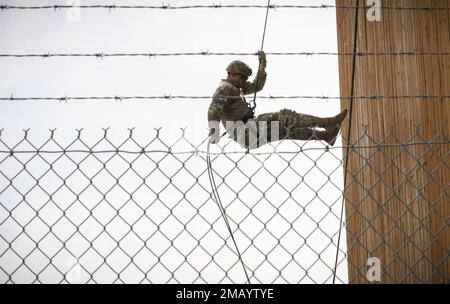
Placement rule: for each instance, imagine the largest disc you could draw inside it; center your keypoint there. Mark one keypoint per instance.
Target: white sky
(153, 31)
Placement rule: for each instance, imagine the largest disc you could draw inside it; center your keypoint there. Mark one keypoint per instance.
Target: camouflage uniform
(229, 104)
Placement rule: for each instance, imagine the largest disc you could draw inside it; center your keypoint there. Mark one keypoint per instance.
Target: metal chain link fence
(122, 208)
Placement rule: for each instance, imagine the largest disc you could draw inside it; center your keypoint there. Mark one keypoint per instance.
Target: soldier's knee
(288, 118)
(287, 112)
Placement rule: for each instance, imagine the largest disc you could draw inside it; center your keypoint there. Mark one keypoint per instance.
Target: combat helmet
(239, 67)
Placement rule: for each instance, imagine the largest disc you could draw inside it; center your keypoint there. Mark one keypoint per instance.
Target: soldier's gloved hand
(261, 56)
(262, 59)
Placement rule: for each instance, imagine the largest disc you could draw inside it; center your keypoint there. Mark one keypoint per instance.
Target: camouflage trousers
(274, 126)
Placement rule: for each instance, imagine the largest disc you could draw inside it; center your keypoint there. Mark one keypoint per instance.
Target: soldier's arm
(250, 87)
(260, 79)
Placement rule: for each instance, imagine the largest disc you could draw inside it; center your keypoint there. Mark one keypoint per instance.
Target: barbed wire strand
(110, 7)
(101, 55)
(173, 97)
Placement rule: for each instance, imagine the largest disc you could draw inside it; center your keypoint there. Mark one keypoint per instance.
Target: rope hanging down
(215, 191)
(352, 93)
(218, 201)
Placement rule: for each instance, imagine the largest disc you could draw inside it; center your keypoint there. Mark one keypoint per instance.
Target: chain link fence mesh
(110, 208)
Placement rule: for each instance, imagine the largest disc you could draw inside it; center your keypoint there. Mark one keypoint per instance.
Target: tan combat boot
(328, 122)
(328, 135)
(333, 133)
(337, 120)
(334, 127)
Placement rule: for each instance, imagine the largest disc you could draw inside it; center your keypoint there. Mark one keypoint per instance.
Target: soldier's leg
(301, 133)
(275, 126)
(309, 121)
(302, 126)
(259, 131)
(287, 124)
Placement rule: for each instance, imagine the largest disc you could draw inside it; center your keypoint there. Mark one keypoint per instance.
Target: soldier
(230, 107)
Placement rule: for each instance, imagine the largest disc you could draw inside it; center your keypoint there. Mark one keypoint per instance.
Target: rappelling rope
(259, 65)
(352, 91)
(222, 208)
(215, 191)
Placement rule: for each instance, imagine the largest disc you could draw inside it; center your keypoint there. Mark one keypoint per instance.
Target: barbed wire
(174, 97)
(101, 55)
(213, 6)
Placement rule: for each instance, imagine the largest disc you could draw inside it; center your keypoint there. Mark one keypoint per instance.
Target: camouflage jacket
(228, 102)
